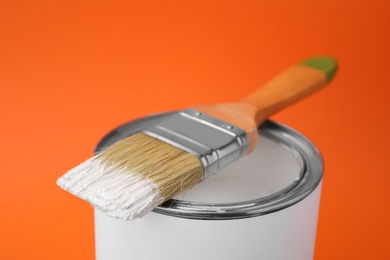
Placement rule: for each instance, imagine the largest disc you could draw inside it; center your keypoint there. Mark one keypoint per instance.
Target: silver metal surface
(215, 142)
(304, 152)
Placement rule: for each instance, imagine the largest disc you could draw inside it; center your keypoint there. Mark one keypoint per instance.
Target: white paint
(268, 169)
(123, 196)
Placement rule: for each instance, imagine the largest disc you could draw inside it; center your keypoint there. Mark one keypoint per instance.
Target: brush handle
(290, 86)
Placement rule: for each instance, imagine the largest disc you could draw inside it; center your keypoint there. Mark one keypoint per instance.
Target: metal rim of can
(306, 154)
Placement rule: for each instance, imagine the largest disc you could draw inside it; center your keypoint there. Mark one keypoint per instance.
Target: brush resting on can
(138, 173)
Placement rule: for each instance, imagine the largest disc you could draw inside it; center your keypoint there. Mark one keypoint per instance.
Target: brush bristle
(133, 176)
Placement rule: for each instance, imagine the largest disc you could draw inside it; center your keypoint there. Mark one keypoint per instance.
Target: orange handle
(287, 88)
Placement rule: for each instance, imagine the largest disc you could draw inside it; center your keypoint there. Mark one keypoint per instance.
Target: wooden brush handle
(285, 89)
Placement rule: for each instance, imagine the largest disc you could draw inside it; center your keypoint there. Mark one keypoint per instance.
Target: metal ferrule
(215, 142)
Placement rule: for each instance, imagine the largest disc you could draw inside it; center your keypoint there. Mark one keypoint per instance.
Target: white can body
(278, 218)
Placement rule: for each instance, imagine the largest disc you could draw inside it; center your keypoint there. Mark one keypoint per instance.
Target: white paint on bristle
(133, 176)
(118, 193)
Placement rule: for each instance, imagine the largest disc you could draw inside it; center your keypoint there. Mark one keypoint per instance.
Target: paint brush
(138, 173)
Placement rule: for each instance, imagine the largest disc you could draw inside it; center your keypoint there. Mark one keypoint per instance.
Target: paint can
(264, 206)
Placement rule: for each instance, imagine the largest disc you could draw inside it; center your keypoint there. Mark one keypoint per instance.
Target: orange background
(70, 71)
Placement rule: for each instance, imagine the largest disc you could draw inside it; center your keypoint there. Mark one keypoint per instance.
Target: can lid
(308, 176)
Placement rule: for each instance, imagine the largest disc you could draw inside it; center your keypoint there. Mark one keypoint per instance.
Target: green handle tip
(326, 65)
